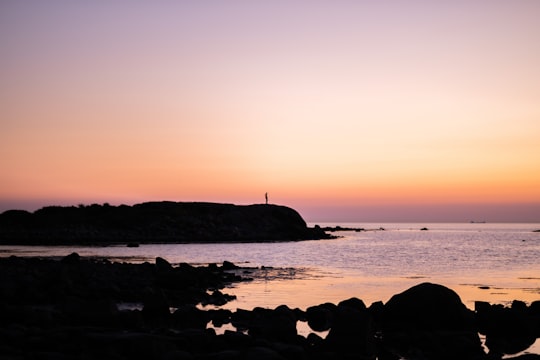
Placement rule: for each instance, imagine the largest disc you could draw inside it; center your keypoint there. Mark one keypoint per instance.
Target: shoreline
(41, 295)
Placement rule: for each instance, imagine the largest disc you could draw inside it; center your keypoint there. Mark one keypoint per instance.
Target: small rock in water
(72, 258)
(227, 265)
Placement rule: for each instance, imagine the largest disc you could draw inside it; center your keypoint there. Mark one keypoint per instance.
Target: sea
(494, 262)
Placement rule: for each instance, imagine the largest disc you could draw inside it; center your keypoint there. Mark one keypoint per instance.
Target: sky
(392, 110)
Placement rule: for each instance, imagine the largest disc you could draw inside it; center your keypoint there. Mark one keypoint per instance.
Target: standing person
(266, 198)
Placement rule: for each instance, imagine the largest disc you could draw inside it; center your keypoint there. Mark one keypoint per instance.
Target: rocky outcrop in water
(174, 222)
(79, 308)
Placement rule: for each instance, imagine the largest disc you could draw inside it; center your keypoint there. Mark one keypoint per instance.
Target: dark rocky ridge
(174, 222)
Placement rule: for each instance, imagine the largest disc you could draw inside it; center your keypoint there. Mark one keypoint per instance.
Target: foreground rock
(508, 330)
(78, 308)
(155, 222)
(430, 321)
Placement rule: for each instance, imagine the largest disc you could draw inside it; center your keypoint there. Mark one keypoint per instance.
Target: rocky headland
(80, 308)
(155, 222)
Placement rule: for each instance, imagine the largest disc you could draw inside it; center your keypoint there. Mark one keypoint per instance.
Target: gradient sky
(345, 110)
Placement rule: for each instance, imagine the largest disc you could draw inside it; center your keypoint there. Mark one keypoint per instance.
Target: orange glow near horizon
(317, 104)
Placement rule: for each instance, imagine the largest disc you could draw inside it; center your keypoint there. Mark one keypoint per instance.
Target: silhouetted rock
(508, 330)
(76, 308)
(227, 265)
(320, 317)
(352, 332)
(166, 221)
(220, 317)
(72, 258)
(163, 266)
(430, 320)
(278, 324)
(188, 316)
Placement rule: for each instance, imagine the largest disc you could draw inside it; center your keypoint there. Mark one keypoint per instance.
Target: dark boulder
(427, 306)
(353, 303)
(189, 317)
(217, 298)
(320, 317)
(220, 317)
(534, 310)
(278, 324)
(94, 312)
(227, 265)
(240, 319)
(508, 330)
(156, 309)
(352, 331)
(235, 339)
(430, 320)
(162, 265)
(72, 258)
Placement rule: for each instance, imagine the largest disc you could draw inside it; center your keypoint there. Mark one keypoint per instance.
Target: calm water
(371, 265)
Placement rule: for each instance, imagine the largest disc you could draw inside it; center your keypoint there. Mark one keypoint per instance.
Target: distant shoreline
(155, 222)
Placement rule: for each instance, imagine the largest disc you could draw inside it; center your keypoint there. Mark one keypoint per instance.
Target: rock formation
(75, 309)
(174, 222)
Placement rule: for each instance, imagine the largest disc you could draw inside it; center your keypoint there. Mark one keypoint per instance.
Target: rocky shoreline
(80, 308)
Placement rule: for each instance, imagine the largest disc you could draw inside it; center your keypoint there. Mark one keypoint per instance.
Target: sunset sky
(345, 110)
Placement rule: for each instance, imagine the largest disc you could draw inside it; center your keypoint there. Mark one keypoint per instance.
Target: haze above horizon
(352, 111)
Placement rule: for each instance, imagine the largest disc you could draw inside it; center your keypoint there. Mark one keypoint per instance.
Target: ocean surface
(491, 262)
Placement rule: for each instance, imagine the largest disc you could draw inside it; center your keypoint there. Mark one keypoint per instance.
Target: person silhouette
(266, 198)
